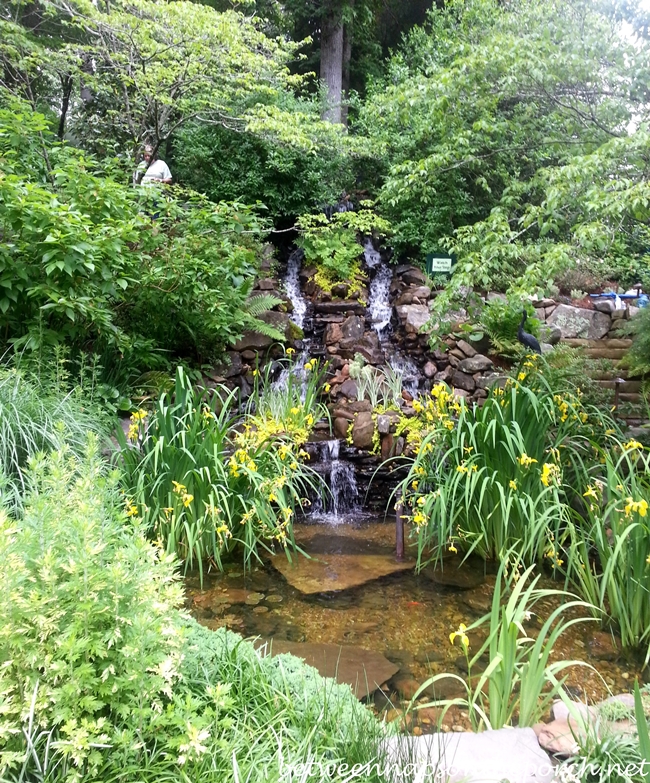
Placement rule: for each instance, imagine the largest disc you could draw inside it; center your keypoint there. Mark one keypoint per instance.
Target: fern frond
(257, 325)
(257, 305)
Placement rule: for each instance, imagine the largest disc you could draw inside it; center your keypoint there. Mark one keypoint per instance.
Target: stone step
(604, 343)
(627, 387)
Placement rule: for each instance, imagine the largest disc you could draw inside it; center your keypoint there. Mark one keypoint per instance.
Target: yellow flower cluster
(134, 428)
(551, 474)
(639, 507)
(181, 490)
(525, 461)
(633, 445)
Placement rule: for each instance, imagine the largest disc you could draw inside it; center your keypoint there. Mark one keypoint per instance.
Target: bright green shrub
(103, 678)
(638, 358)
(486, 479)
(89, 637)
(500, 320)
(333, 244)
(203, 487)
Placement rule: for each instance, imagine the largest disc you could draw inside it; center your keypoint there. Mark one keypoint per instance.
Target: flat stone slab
(363, 670)
(511, 755)
(334, 572)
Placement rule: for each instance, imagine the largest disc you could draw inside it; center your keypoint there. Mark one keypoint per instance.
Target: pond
(405, 616)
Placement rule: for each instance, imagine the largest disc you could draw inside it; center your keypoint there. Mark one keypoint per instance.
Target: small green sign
(439, 262)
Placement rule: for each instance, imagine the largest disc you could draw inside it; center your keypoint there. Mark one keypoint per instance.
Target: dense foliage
(507, 130)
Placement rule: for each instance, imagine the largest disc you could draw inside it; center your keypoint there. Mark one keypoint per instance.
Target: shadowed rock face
(363, 670)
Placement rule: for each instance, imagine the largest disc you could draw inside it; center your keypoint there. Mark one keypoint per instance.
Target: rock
(510, 754)
(255, 340)
(340, 290)
(341, 428)
(430, 369)
(501, 297)
(422, 292)
(333, 334)
(413, 316)
(444, 376)
(346, 306)
(363, 430)
(460, 393)
(430, 655)
(363, 670)
(349, 389)
(383, 424)
(478, 363)
(557, 737)
(343, 412)
(266, 284)
(414, 276)
(602, 647)
(466, 348)
(231, 366)
(632, 311)
(605, 306)
(405, 298)
(577, 322)
(370, 348)
(552, 336)
(545, 348)
(352, 328)
(406, 685)
(491, 379)
(387, 447)
(335, 572)
(462, 381)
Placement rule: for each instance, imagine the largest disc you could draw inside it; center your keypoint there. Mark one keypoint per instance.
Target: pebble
(260, 609)
(273, 599)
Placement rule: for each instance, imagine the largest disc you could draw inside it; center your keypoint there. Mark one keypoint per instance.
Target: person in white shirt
(153, 172)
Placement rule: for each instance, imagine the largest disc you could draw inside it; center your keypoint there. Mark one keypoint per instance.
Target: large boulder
(478, 363)
(576, 322)
(257, 341)
(413, 316)
(370, 348)
(461, 380)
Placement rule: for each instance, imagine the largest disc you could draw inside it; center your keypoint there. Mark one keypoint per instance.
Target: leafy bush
(82, 262)
(36, 417)
(333, 244)
(203, 487)
(89, 639)
(488, 478)
(103, 678)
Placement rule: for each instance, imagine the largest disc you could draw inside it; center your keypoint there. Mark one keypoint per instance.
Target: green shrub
(202, 486)
(89, 640)
(333, 244)
(638, 358)
(500, 320)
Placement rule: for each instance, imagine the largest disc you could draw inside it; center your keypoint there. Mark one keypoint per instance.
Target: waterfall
(379, 306)
(343, 496)
(407, 368)
(292, 287)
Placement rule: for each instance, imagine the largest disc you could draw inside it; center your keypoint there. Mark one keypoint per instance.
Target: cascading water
(381, 310)
(343, 496)
(292, 288)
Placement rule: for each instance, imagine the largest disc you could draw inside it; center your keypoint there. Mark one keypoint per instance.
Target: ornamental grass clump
(610, 543)
(486, 478)
(205, 481)
(520, 681)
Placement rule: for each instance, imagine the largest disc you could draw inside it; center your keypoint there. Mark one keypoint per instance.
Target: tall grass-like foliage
(610, 547)
(204, 481)
(487, 478)
(520, 682)
(35, 417)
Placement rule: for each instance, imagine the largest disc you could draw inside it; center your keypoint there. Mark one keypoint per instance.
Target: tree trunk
(347, 56)
(331, 63)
